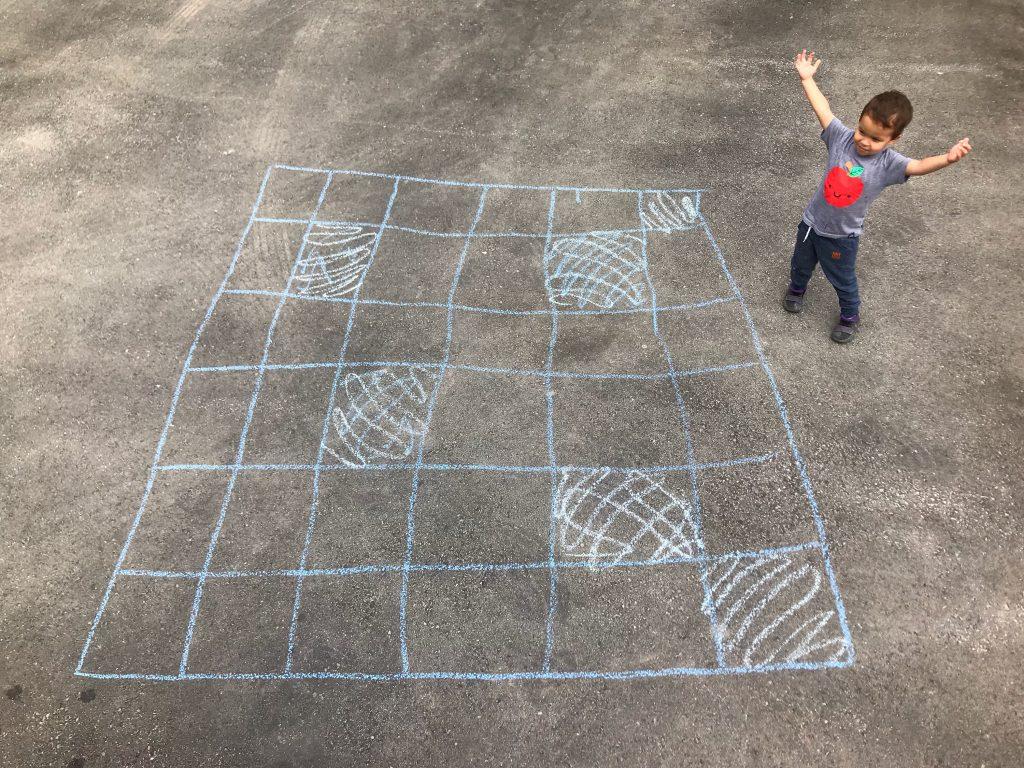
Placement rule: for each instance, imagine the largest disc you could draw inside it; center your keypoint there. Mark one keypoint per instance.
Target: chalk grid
(443, 430)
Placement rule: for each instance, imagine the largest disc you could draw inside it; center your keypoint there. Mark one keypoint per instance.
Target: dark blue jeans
(838, 258)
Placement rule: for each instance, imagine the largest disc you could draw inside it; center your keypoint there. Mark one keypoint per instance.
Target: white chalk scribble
(335, 260)
(379, 415)
(606, 516)
(766, 614)
(599, 270)
(666, 212)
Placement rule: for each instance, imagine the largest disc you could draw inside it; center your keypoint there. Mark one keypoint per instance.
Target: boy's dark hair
(892, 109)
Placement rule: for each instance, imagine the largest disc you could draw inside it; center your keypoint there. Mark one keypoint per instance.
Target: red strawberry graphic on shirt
(843, 185)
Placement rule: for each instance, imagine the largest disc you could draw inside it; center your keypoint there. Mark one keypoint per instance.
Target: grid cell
(237, 331)
(482, 517)
(287, 423)
(412, 267)
(266, 256)
(397, 334)
(615, 423)
(181, 513)
(518, 342)
(471, 621)
(626, 618)
(209, 417)
(348, 624)
(309, 331)
(775, 512)
(143, 627)
(620, 344)
(435, 207)
(360, 519)
(242, 626)
(264, 524)
(732, 415)
(514, 432)
(292, 194)
(504, 274)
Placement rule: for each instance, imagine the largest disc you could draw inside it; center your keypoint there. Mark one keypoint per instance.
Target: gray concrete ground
(133, 140)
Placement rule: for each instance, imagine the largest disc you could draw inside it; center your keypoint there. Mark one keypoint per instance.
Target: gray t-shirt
(850, 183)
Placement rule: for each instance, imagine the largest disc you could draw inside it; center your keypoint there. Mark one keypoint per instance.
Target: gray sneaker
(794, 302)
(844, 331)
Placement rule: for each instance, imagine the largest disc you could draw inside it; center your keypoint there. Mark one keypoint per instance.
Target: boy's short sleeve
(835, 131)
(895, 171)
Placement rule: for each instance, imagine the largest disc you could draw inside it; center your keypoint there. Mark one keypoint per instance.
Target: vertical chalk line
(784, 416)
(154, 468)
(257, 387)
(314, 506)
(410, 527)
(684, 420)
(549, 627)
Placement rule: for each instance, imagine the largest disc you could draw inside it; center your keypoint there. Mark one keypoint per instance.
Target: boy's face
(871, 137)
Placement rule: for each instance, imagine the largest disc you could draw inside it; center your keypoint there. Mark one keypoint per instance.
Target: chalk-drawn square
(630, 618)
(264, 527)
(732, 415)
(488, 418)
(500, 341)
(412, 267)
(472, 621)
(379, 415)
(397, 334)
(755, 506)
(707, 337)
(597, 271)
(349, 623)
(356, 199)
(623, 343)
(607, 516)
(237, 331)
(663, 211)
(684, 269)
(291, 194)
(482, 517)
(504, 273)
(522, 211)
(361, 519)
(615, 423)
(142, 630)
(242, 626)
(208, 418)
(776, 608)
(435, 207)
(590, 211)
(309, 331)
(287, 424)
(267, 256)
(334, 260)
(179, 520)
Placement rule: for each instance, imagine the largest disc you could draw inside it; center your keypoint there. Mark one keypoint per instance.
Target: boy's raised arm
(806, 66)
(935, 162)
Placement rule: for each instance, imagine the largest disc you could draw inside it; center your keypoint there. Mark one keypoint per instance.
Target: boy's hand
(958, 150)
(805, 64)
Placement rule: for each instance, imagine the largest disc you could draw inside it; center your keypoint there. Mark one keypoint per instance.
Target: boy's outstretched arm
(935, 162)
(806, 66)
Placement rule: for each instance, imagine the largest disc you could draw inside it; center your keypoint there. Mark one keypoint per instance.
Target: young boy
(860, 165)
